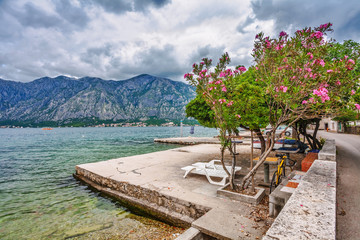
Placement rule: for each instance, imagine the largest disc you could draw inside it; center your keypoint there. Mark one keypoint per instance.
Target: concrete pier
(154, 183)
(196, 140)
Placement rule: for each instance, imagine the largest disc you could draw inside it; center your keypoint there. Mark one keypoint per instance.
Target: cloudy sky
(119, 39)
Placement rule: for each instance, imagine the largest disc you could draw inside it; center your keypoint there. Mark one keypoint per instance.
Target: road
(348, 185)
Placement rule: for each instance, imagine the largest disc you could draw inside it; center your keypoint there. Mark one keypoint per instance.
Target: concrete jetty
(197, 140)
(154, 183)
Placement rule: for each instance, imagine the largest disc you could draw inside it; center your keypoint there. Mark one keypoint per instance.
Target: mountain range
(64, 99)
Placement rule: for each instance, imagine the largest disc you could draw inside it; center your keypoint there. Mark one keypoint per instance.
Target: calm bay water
(39, 198)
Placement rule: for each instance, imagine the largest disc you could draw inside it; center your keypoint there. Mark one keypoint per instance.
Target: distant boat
(47, 128)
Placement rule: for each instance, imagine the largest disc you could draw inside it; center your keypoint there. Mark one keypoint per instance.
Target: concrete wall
(166, 208)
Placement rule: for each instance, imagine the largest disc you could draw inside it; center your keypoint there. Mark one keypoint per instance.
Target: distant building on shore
(334, 126)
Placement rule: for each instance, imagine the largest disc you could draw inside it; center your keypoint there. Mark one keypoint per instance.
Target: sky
(120, 39)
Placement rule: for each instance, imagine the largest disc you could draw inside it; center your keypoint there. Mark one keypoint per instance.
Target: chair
(210, 169)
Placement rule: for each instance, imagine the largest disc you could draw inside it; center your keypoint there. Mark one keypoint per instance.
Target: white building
(331, 125)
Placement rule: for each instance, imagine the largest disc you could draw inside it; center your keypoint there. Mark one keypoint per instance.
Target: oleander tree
(216, 87)
(231, 97)
(337, 51)
(247, 102)
(300, 83)
(294, 80)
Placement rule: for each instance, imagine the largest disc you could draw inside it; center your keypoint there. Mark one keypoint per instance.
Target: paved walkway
(348, 186)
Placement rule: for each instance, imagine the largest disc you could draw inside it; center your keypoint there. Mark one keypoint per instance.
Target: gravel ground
(134, 227)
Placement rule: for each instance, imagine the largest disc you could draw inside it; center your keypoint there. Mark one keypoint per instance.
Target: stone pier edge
(166, 208)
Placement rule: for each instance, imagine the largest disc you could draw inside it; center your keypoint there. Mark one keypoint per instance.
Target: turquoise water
(39, 198)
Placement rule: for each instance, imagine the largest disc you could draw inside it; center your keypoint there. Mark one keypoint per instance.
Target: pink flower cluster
(323, 93)
(282, 34)
(311, 75)
(357, 106)
(279, 47)
(227, 72)
(222, 74)
(281, 88)
(230, 103)
(268, 43)
(203, 73)
(188, 75)
(325, 25)
(222, 101)
(310, 100)
(353, 92)
(242, 69)
(317, 34)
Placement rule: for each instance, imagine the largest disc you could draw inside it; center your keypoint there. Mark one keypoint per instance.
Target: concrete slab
(328, 151)
(227, 225)
(154, 182)
(310, 213)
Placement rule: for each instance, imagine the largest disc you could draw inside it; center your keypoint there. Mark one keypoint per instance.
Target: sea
(40, 199)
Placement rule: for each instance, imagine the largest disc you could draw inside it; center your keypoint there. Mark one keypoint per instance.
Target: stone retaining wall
(328, 151)
(164, 207)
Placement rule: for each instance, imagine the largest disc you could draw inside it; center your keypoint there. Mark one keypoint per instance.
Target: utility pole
(181, 128)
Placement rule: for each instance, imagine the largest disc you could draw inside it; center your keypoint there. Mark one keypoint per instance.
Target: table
(269, 161)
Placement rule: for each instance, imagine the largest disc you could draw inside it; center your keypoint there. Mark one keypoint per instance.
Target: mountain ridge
(63, 98)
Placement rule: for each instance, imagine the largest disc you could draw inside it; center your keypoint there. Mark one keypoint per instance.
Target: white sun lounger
(212, 165)
(209, 170)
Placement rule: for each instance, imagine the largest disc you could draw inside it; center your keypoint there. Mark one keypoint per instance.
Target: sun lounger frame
(209, 169)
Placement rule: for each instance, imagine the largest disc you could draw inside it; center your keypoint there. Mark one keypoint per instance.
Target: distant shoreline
(185, 125)
(151, 122)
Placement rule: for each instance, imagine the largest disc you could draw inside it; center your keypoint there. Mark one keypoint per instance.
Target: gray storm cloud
(120, 39)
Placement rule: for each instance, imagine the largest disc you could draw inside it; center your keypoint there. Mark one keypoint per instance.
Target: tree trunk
(222, 149)
(262, 140)
(233, 164)
(246, 180)
(308, 137)
(296, 133)
(232, 177)
(251, 160)
(317, 144)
